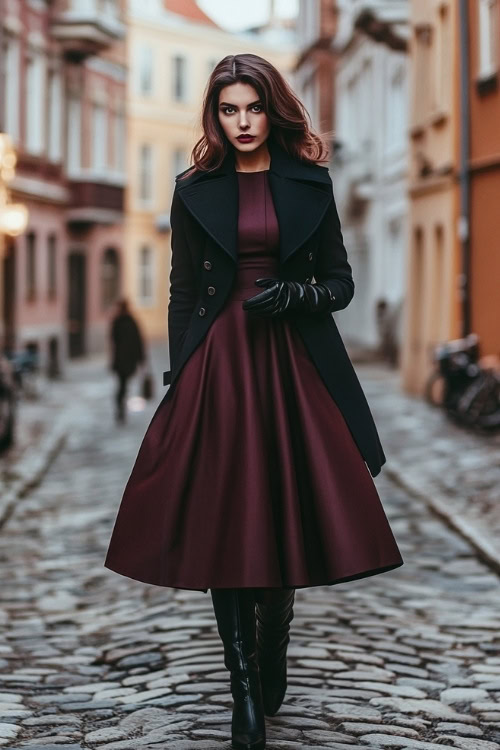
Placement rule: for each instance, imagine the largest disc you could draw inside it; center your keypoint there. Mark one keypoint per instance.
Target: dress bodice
(258, 232)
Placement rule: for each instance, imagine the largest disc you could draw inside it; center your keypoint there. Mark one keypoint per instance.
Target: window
(443, 75)
(421, 104)
(359, 117)
(211, 64)
(366, 95)
(145, 70)
(109, 9)
(55, 105)
(396, 109)
(9, 87)
(74, 135)
(310, 95)
(119, 143)
(394, 258)
(110, 278)
(30, 266)
(179, 80)
(146, 276)
(489, 29)
(354, 108)
(99, 138)
(179, 162)
(35, 103)
(86, 8)
(146, 174)
(52, 266)
(438, 299)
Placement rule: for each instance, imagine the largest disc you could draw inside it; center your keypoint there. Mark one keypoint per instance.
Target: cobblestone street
(89, 659)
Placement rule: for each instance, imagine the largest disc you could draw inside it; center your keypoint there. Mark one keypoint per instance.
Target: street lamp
(13, 219)
(13, 216)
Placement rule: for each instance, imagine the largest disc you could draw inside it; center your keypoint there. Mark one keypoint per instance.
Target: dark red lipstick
(245, 138)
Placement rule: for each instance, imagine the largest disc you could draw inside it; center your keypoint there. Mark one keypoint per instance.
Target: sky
(235, 15)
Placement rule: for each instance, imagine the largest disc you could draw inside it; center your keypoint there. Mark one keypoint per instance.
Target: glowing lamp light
(13, 219)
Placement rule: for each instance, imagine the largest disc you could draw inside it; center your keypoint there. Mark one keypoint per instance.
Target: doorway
(9, 295)
(77, 297)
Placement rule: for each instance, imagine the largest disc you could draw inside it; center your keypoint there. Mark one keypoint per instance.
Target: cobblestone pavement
(458, 470)
(89, 659)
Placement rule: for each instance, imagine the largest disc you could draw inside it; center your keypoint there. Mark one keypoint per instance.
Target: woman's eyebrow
(227, 104)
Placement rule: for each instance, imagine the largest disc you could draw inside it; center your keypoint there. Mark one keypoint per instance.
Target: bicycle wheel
(480, 404)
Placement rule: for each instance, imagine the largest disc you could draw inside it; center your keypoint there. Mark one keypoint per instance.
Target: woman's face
(242, 117)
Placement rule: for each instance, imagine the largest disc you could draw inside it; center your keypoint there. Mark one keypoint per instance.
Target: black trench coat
(204, 220)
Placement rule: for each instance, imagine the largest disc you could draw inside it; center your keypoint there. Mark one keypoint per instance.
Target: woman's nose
(243, 121)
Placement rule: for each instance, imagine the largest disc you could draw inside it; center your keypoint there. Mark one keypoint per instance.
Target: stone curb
(440, 505)
(35, 463)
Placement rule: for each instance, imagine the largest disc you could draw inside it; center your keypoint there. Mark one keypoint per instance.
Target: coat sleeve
(183, 293)
(332, 267)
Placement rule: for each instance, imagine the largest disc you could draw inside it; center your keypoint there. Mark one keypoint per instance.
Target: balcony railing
(94, 202)
(88, 27)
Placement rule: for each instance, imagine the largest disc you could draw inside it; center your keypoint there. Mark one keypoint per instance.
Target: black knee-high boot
(235, 614)
(274, 613)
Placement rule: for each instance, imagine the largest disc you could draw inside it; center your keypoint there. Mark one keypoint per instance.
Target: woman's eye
(257, 108)
(228, 110)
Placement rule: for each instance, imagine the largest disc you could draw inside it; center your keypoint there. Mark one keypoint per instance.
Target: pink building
(63, 98)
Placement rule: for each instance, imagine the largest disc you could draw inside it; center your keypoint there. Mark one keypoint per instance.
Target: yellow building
(173, 47)
(433, 291)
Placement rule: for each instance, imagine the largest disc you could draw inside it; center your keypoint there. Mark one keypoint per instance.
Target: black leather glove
(280, 296)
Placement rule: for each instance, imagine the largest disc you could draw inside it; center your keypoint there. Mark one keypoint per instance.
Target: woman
(253, 478)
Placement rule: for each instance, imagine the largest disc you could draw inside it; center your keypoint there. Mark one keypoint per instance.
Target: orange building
(433, 308)
(454, 263)
(484, 93)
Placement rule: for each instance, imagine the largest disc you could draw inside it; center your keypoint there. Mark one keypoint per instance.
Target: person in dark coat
(127, 347)
(254, 477)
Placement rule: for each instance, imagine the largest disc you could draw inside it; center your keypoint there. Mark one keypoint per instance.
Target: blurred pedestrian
(127, 348)
(252, 479)
(388, 318)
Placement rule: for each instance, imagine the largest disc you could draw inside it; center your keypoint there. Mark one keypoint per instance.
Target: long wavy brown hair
(289, 119)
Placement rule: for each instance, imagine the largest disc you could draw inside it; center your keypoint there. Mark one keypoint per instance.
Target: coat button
(207, 265)
(201, 311)
(211, 290)
(310, 256)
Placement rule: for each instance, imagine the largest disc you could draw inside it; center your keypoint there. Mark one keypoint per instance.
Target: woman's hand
(279, 296)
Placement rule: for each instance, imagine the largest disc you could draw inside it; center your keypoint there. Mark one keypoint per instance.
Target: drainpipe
(464, 174)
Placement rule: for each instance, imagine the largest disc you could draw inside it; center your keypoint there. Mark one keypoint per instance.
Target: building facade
(370, 162)
(352, 74)
(433, 273)
(314, 75)
(484, 170)
(63, 89)
(173, 47)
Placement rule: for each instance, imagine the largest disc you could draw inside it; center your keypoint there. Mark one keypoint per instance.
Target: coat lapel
(299, 194)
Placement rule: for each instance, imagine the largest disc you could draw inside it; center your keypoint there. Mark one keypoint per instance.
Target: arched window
(110, 277)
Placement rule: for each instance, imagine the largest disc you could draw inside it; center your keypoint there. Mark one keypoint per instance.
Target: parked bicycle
(25, 366)
(466, 385)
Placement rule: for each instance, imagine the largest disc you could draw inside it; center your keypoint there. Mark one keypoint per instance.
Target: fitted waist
(248, 272)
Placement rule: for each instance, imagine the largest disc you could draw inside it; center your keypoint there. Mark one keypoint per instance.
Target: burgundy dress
(249, 475)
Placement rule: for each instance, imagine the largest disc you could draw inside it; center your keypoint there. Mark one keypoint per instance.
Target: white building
(370, 163)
